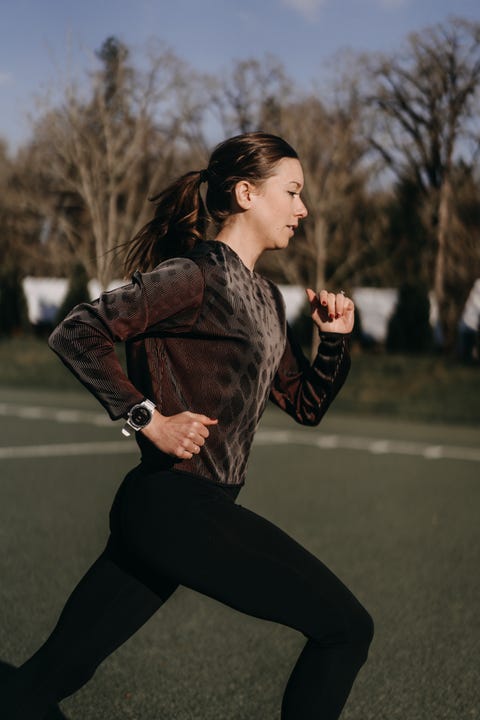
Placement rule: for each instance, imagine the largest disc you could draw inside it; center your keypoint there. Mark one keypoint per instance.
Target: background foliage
(390, 152)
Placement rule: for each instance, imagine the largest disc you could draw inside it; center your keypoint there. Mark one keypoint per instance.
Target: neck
(241, 239)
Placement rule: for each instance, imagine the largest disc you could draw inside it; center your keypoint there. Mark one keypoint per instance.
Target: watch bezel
(140, 415)
(147, 406)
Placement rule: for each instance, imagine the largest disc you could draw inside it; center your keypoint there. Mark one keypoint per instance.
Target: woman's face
(277, 207)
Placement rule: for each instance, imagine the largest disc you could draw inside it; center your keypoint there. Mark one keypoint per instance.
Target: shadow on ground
(7, 671)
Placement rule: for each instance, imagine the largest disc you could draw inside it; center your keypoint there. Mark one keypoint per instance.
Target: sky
(42, 39)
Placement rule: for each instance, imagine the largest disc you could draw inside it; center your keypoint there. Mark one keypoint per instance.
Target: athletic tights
(170, 528)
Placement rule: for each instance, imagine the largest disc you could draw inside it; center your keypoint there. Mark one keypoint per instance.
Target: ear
(243, 192)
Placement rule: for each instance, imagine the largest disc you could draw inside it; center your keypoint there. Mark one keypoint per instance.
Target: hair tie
(204, 175)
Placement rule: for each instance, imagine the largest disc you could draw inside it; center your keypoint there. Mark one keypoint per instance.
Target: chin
(278, 244)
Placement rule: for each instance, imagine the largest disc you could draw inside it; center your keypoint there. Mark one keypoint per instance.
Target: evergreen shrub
(13, 303)
(77, 291)
(409, 329)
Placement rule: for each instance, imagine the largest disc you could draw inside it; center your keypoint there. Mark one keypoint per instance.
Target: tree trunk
(317, 234)
(441, 264)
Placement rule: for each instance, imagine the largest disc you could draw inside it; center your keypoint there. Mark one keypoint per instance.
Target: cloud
(308, 8)
(6, 78)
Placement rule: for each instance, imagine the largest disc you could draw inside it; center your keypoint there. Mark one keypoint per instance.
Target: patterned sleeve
(305, 391)
(166, 299)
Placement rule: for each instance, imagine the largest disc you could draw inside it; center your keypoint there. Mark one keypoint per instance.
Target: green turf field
(392, 507)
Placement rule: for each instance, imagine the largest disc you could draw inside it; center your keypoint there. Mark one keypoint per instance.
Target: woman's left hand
(331, 312)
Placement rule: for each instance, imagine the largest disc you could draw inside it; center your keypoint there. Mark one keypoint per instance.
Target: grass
(425, 388)
(27, 361)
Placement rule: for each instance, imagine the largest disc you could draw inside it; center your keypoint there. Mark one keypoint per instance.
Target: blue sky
(39, 39)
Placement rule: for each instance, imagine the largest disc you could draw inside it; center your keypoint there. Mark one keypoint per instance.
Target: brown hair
(181, 216)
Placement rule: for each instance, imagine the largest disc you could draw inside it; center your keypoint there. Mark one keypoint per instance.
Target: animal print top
(203, 333)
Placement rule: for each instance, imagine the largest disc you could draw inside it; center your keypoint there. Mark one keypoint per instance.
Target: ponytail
(179, 222)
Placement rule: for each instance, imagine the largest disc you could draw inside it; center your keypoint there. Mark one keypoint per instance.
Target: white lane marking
(264, 437)
(375, 446)
(60, 415)
(22, 452)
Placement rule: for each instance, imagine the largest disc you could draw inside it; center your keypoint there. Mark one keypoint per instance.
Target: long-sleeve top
(206, 334)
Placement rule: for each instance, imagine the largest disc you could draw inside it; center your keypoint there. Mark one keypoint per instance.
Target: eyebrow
(294, 182)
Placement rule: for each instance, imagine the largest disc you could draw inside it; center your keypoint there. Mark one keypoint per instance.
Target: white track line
(54, 414)
(264, 437)
(376, 446)
(24, 452)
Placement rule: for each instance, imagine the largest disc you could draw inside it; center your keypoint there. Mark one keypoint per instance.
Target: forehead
(289, 170)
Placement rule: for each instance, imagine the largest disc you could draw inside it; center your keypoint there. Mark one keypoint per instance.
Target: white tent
(45, 295)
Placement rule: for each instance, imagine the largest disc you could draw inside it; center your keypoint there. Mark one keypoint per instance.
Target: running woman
(207, 346)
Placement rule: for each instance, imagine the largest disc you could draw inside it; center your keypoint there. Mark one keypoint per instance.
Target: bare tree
(259, 95)
(332, 153)
(101, 155)
(427, 108)
(251, 96)
(20, 222)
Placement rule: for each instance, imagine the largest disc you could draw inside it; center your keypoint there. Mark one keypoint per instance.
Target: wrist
(155, 425)
(332, 335)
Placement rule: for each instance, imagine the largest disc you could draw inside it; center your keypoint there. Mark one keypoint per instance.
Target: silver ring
(342, 292)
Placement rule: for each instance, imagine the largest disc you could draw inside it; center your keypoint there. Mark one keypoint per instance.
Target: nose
(302, 211)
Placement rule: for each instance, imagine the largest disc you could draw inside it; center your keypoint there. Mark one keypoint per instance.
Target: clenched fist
(331, 312)
(181, 435)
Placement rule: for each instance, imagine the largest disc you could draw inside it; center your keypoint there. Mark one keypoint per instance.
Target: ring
(342, 292)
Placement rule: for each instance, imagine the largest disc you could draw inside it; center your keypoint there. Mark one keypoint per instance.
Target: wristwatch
(138, 417)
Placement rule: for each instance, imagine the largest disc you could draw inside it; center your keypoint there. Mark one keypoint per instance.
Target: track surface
(392, 508)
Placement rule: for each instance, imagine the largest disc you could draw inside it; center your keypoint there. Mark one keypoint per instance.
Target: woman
(207, 345)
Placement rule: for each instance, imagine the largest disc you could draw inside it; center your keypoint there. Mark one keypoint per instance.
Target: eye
(293, 193)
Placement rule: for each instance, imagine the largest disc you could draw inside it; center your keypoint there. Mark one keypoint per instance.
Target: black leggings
(171, 528)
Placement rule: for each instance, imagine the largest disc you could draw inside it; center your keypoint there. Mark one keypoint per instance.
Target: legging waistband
(146, 468)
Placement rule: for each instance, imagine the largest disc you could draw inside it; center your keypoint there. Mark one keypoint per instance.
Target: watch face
(141, 416)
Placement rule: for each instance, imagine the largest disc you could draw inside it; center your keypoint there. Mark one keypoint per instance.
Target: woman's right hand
(181, 435)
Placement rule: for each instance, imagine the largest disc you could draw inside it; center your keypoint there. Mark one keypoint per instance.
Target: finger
(349, 305)
(183, 453)
(324, 298)
(201, 430)
(314, 300)
(311, 295)
(204, 419)
(196, 437)
(339, 304)
(331, 300)
(190, 446)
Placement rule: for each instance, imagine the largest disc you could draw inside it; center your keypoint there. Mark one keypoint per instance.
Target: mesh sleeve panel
(306, 391)
(168, 298)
